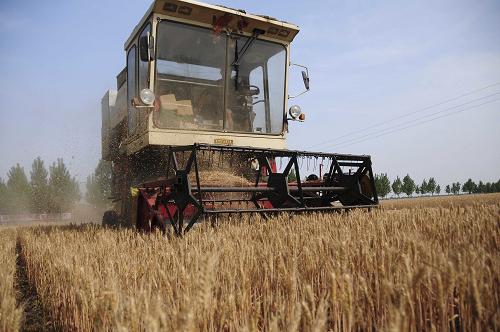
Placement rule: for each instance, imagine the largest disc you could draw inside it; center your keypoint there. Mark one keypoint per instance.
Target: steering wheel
(249, 90)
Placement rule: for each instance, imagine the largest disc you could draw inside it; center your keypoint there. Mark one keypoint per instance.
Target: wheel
(143, 215)
(110, 219)
(158, 223)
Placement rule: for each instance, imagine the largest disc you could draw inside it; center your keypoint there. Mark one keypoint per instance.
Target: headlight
(147, 96)
(295, 111)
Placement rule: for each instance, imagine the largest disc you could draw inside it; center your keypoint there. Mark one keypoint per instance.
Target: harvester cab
(197, 125)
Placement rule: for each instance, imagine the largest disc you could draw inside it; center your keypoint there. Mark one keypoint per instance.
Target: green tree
(408, 185)
(481, 187)
(469, 187)
(417, 189)
(18, 190)
(382, 184)
(64, 190)
(397, 186)
(455, 188)
(99, 185)
(39, 187)
(3, 197)
(424, 187)
(438, 189)
(448, 189)
(431, 186)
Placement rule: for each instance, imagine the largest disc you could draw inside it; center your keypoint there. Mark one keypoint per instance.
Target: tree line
(408, 186)
(51, 190)
(99, 185)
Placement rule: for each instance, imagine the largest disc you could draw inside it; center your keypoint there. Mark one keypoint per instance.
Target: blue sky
(369, 61)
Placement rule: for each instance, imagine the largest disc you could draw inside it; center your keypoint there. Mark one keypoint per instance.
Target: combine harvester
(197, 126)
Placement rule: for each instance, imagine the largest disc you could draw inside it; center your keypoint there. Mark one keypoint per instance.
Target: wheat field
(441, 201)
(411, 269)
(10, 312)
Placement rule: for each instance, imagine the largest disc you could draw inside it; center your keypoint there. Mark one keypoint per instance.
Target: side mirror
(146, 47)
(305, 78)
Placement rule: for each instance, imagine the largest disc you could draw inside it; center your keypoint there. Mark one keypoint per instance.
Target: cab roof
(219, 17)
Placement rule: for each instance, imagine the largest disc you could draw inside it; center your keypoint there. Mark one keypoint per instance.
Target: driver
(240, 116)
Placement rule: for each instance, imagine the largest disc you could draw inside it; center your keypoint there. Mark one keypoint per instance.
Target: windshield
(197, 86)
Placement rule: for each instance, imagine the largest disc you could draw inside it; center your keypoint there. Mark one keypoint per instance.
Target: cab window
(131, 89)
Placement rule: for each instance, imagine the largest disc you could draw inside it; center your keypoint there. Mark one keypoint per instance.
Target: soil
(35, 318)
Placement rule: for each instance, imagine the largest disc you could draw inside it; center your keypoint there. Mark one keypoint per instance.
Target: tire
(158, 223)
(110, 219)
